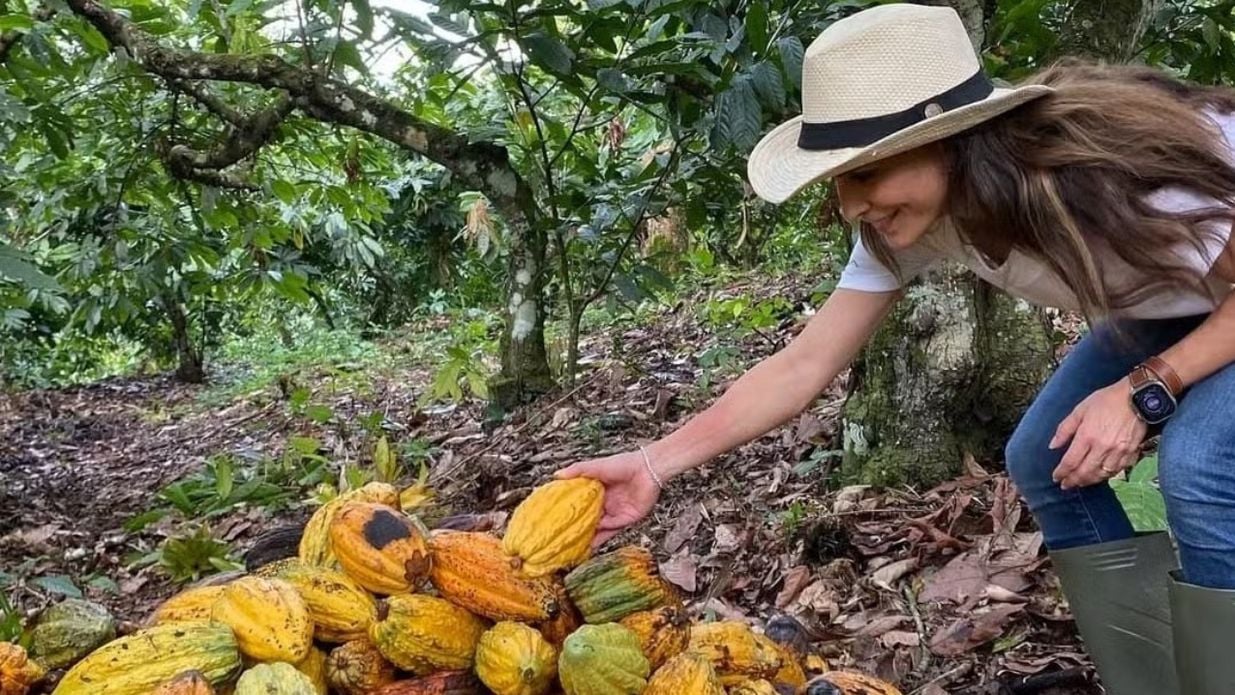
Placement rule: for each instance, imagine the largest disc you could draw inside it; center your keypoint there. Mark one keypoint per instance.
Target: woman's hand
(630, 492)
(1106, 437)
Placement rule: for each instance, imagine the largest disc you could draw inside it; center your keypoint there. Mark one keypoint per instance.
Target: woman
(1106, 190)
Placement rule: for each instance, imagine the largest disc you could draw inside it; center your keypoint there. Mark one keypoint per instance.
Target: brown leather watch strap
(1165, 374)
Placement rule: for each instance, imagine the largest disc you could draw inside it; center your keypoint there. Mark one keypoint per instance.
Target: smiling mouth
(881, 225)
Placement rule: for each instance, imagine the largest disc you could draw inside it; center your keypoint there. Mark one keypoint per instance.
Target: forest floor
(945, 590)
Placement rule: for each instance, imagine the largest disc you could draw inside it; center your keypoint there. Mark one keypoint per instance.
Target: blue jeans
(1196, 455)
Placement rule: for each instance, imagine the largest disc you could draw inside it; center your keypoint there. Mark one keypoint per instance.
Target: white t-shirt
(1030, 279)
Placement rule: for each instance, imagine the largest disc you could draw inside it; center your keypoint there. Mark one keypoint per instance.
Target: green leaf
(12, 109)
(90, 36)
(347, 54)
(144, 519)
(14, 267)
(738, 116)
(769, 85)
(450, 23)
(384, 461)
(791, 52)
(549, 53)
(1141, 499)
(224, 477)
(104, 583)
(284, 190)
(1211, 33)
(16, 21)
(757, 25)
(57, 584)
(612, 80)
(319, 413)
(602, 4)
(364, 17)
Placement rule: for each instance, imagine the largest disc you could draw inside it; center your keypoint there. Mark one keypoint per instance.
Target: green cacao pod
(69, 630)
(611, 586)
(276, 678)
(603, 660)
(138, 663)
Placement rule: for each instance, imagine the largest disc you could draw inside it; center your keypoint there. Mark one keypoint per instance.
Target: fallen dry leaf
(889, 574)
(971, 631)
(683, 528)
(796, 579)
(681, 570)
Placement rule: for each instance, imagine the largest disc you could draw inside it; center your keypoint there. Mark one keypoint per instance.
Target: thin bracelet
(647, 463)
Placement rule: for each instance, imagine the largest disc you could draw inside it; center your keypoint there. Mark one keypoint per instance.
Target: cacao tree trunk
(950, 372)
(525, 365)
(956, 364)
(190, 368)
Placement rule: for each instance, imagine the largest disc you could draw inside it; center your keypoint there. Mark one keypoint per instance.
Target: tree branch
(481, 166)
(211, 101)
(250, 135)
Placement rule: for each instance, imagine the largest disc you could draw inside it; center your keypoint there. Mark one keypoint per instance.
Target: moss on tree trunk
(950, 372)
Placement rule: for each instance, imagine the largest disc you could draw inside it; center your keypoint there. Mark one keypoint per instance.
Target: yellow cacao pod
(191, 604)
(470, 570)
(848, 683)
(552, 528)
(140, 662)
(754, 687)
(357, 668)
(514, 659)
(380, 547)
(737, 652)
(603, 660)
(277, 678)
(18, 673)
(610, 587)
(663, 633)
(269, 618)
(423, 634)
(340, 608)
(314, 666)
(688, 673)
(315, 542)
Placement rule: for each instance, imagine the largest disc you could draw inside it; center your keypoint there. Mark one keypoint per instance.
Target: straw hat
(877, 83)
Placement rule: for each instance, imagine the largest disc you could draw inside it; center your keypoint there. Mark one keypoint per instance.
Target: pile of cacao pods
(376, 604)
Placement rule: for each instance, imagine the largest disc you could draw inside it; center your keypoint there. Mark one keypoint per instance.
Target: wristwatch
(1155, 390)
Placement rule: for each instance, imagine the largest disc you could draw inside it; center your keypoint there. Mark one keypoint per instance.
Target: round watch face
(1154, 403)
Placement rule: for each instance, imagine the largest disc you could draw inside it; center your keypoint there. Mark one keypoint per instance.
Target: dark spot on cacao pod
(385, 528)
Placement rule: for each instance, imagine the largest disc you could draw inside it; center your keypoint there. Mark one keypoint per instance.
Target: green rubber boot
(1118, 594)
(1204, 631)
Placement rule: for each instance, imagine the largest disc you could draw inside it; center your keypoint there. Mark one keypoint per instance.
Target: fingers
(1066, 430)
(603, 535)
(1076, 454)
(571, 471)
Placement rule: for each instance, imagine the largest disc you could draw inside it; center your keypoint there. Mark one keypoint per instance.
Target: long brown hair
(1069, 173)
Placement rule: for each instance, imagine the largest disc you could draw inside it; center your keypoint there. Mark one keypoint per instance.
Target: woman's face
(900, 197)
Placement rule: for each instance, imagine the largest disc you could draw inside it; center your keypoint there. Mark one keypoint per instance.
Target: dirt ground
(941, 591)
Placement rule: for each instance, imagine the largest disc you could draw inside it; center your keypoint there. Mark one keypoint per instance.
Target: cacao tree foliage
(174, 171)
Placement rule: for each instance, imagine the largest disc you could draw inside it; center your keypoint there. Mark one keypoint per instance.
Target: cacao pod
(276, 678)
(736, 651)
(140, 662)
(314, 666)
(191, 604)
(423, 634)
(514, 659)
(755, 687)
(187, 683)
(567, 620)
(610, 587)
(341, 609)
(357, 668)
(269, 618)
(848, 683)
(70, 630)
(791, 637)
(315, 541)
(440, 683)
(379, 547)
(552, 528)
(663, 633)
(18, 673)
(470, 570)
(603, 660)
(688, 673)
